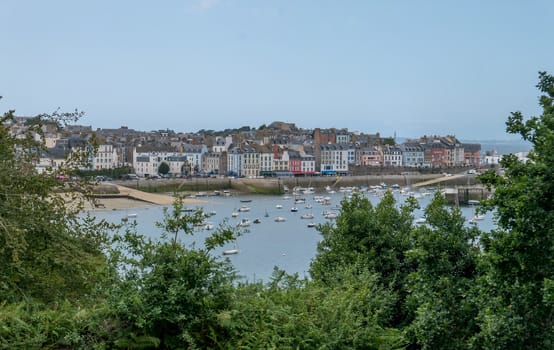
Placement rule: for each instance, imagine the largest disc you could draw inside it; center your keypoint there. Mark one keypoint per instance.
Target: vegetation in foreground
(378, 281)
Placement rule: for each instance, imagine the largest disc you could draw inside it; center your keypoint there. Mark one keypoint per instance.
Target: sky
(405, 68)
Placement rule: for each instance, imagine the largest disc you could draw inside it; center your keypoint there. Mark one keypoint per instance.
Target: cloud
(206, 5)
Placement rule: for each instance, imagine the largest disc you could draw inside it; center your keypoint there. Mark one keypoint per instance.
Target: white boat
(300, 201)
(235, 250)
(294, 209)
(309, 190)
(209, 226)
(279, 206)
(331, 216)
(244, 223)
(309, 206)
(420, 221)
(280, 219)
(473, 202)
(311, 224)
(244, 209)
(478, 217)
(234, 214)
(132, 215)
(307, 216)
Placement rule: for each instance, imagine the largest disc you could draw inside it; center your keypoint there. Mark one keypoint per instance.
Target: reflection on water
(289, 244)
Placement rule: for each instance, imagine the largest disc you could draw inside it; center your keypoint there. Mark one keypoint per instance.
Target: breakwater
(278, 185)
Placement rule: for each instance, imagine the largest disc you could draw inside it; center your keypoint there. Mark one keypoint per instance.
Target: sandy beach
(119, 203)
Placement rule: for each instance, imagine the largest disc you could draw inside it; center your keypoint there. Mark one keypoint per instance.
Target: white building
(250, 161)
(234, 161)
(334, 158)
(194, 155)
(148, 163)
(392, 156)
(105, 158)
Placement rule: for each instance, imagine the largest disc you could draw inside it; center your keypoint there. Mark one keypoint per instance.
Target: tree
(389, 141)
(169, 295)
(372, 238)
(163, 168)
(444, 258)
(517, 261)
(46, 252)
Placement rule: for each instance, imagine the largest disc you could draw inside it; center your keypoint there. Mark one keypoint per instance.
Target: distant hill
(500, 146)
(503, 146)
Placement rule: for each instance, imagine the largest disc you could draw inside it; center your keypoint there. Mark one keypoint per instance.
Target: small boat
(420, 221)
(266, 214)
(132, 215)
(234, 214)
(309, 206)
(279, 206)
(209, 226)
(307, 216)
(245, 200)
(473, 202)
(331, 216)
(210, 214)
(235, 250)
(294, 209)
(478, 217)
(257, 221)
(300, 201)
(311, 224)
(244, 209)
(309, 190)
(244, 223)
(280, 219)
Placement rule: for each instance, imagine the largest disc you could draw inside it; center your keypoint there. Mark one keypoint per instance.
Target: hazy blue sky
(410, 67)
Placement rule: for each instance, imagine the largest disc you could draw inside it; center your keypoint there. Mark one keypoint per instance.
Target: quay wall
(277, 185)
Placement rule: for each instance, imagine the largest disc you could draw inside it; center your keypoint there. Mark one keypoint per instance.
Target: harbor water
(289, 244)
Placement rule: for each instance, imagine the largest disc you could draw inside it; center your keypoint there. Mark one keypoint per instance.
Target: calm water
(290, 245)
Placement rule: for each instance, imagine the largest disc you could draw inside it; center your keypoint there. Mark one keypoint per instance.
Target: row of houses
(279, 149)
(253, 160)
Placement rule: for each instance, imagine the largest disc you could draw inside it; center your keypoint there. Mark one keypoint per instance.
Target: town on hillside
(276, 150)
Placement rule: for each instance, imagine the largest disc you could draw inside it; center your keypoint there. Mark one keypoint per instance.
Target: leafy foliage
(290, 313)
(46, 253)
(170, 296)
(444, 256)
(517, 258)
(163, 168)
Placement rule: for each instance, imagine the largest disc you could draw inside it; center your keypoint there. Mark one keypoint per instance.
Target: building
(412, 154)
(392, 155)
(334, 159)
(106, 157)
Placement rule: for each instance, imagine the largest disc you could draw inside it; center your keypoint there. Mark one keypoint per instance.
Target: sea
(289, 245)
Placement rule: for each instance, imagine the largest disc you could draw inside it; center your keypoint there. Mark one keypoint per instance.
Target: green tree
(163, 168)
(46, 252)
(372, 238)
(291, 313)
(517, 261)
(170, 296)
(444, 257)
(389, 141)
